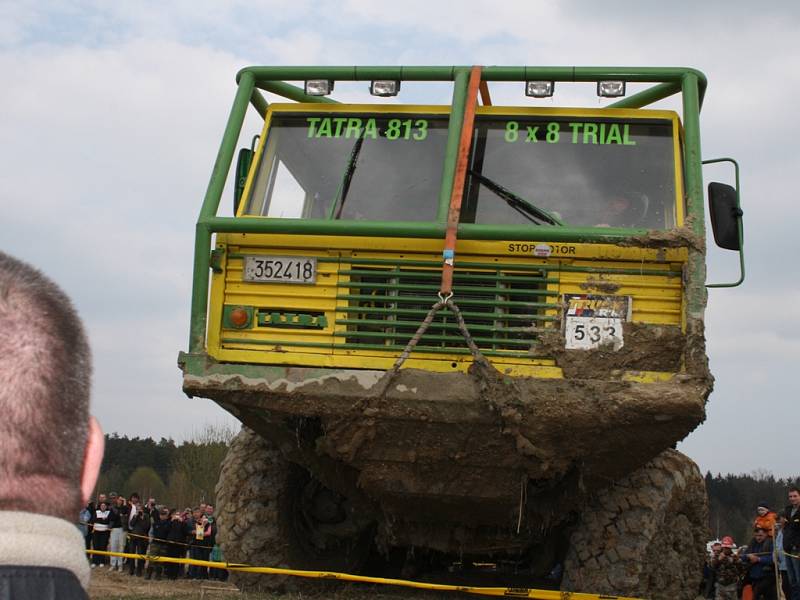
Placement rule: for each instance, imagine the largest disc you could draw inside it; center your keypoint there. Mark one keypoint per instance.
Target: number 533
(585, 333)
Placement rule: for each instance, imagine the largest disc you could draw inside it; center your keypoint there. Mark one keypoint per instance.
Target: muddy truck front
(446, 327)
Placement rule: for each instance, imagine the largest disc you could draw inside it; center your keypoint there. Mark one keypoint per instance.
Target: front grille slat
(383, 306)
(427, 300)
(458, 278)
(466, 314)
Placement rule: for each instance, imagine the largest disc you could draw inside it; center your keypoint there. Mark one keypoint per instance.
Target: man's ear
(92, 459)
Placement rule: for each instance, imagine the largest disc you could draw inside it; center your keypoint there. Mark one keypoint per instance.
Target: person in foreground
(50, 448)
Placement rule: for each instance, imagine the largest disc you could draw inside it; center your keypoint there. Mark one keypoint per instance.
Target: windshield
(384, 167)
(584, 171)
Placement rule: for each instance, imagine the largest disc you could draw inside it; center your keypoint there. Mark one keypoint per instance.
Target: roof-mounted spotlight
(384, 88)
(318, 87)
(539, 89)
(610, 89)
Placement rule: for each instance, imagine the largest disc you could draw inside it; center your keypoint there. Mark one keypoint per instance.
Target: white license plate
(593, 321)
(280, 269)
(587, 333)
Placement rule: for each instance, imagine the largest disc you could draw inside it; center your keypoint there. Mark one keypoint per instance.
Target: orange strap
(454, 213)
(486, 99)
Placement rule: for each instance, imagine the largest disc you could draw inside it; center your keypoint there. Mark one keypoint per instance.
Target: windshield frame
(300, 109)
(493, 111)
(643, 115)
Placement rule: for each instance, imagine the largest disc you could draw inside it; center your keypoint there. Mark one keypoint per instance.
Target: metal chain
(444, 302)
(477, 356)
(426, 322)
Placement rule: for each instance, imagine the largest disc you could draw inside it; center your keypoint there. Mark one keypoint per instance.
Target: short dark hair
(794, 488)
(45, 378)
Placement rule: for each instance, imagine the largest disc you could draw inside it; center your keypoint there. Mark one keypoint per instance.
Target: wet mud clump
(680, 237)
(444, 449)
(646, 348)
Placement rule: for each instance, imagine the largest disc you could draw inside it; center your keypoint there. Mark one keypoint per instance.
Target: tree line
(732, 501)
(178, 475)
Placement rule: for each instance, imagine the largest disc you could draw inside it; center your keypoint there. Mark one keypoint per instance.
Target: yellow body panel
(656, 298)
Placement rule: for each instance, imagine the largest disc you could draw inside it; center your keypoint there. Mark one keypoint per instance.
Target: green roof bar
(665, 75)
(259, 103)
(293, 92)
(457, 109)
(202, 243)
(644, 75)
(648, 96)
(412, 229)
(696, 293)
(351, 73)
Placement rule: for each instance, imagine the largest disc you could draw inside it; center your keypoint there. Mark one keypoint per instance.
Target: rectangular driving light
(539, 89)
(610, 89)
(318, 87)
(384, 88)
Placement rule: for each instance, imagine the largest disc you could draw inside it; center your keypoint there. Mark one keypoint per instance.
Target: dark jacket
(791, 531)
(764, 565)
(159, 546)
(124, 515)
(140, 524)
(114, 519)
(161, 529)
(177, 532)
(39, 583)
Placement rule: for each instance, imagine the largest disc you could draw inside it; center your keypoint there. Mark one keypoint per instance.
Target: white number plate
(280, 269)
(593, 321)
(586, 333)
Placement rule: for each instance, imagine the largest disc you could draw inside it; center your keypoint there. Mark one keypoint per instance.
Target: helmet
(727, 542)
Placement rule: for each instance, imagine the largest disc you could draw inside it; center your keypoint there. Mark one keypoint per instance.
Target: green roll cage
(251, 80)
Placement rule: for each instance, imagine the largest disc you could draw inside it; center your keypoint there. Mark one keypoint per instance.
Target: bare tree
(195, 469)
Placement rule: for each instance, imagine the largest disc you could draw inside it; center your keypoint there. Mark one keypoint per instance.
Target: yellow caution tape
(481, 591)
(155, 539)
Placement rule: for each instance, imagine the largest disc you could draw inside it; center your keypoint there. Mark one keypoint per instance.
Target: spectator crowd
(115, 524)
(767, 568)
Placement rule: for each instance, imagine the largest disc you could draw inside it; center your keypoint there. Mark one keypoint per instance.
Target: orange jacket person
(765, 519)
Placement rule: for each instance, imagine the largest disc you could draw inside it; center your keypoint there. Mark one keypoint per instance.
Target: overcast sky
(111, 114)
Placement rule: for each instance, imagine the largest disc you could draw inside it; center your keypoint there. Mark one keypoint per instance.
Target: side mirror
(726, 216)
(243, 163)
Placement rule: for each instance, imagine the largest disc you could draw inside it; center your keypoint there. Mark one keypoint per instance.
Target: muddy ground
(106, 585)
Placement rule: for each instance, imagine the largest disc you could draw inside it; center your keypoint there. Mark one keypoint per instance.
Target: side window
(287, 195)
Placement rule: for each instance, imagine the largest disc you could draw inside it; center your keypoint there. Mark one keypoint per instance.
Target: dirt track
(107, 584)
(119, 586)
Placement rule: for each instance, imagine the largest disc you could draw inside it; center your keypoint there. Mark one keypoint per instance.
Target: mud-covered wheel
(274, 513)
(644, 536)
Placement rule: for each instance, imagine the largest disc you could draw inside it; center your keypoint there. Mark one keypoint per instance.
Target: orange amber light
(239, 317)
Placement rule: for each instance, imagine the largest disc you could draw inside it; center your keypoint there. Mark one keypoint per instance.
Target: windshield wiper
(533, 213)
(348, 177)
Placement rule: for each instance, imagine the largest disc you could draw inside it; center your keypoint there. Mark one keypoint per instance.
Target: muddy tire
(263, 518)
(644, 536)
